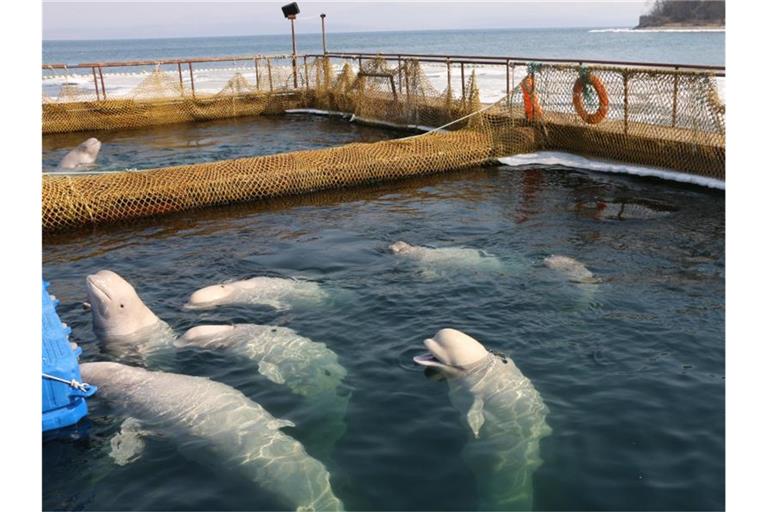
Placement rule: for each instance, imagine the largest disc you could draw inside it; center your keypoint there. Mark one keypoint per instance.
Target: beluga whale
(572, 269)
(211, 421)
(121, 320)
(446, 257)
(84, 155)
(276, 292)
(308, 368)
(505, 415)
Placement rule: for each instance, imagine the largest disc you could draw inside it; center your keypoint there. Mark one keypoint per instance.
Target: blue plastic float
(64, 393)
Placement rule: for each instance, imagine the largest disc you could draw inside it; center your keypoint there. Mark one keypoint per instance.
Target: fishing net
(670, 119)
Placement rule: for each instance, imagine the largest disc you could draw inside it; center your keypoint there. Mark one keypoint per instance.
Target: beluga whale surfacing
(83, 155)
(276, 292)
(446, 258)
(121, 320)
(212, 421)
(504, 412)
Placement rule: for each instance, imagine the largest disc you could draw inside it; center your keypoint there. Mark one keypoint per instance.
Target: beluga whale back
(121, 320)
(446, 257)
(504, 412)
(276, 292)
(308, 368)
(213, 421)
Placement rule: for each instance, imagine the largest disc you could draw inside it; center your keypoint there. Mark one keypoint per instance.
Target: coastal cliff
(686, 14)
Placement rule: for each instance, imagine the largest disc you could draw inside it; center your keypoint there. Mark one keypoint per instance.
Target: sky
(127, 20)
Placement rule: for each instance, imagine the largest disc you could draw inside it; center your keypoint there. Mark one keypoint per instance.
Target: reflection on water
(632, 371)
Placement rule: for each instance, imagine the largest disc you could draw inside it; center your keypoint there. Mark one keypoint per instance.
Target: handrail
(156, 62)
(440, 58)
(475, 59)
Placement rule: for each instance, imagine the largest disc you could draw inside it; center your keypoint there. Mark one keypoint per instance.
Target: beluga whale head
(116, 308)
(400, 247)
(452, 352)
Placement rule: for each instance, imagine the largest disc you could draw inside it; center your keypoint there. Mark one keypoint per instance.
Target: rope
(534, 67)
(80, 386)
(589, 91)
(471, 114)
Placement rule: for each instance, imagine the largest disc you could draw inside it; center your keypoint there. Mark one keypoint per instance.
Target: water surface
(632, 370)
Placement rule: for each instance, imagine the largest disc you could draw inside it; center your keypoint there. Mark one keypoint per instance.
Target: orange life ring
(530, 99)
(578, 103)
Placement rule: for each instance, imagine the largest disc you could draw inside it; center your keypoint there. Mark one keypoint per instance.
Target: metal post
(674, 99)
(181, 79)
(399, 74)
(191, 79)
(306, 73)
(293, 55)
(626, 102)
(508, 79)
(509, 98)
(322, 21)
(463, 86)
(256, 66)
(450, 94)
(359, 63)
(103, 89)
(95, 83)
(269, 72)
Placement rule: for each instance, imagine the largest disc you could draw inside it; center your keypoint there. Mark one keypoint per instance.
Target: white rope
(80, 386)
(440, 128)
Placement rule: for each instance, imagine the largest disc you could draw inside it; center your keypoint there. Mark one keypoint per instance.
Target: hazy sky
(105, 19)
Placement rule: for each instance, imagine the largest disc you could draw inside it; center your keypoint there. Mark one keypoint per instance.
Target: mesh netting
(669, 119)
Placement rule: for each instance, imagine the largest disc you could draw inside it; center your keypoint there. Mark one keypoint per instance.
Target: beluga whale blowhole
(213, 422)
(84, 155)
(504, 412)
(121, 319)
(276, 292)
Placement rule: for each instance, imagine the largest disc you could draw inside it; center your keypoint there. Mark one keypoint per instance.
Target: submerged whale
(457, 257)
(276, 292)
(82, 156)
(212, 421)
(121, 320)
(504, 412)
(308, 368)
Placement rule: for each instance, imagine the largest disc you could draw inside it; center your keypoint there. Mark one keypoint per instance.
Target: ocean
(699, 48)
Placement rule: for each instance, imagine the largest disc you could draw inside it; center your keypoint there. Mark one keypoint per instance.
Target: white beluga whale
(446, 257)
(211, 421)
(276, 292)
(308, 368)
(572, 269)
(83, 155)
(504, 412)
(121, 320)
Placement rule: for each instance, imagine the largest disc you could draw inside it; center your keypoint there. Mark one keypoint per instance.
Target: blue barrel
(64, 393)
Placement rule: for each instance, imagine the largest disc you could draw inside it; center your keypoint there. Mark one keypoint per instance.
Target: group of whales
(500, 406)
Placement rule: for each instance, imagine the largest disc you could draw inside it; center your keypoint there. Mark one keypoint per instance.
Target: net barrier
(670, 119)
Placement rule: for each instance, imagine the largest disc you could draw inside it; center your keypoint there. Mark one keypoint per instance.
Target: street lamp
(322, 20)
(290, 11)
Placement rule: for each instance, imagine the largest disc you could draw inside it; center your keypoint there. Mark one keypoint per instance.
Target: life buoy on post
(578, 90)
(530, 99)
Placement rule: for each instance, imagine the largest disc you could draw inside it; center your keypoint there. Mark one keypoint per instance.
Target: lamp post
(322, 21)
(290, 11)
